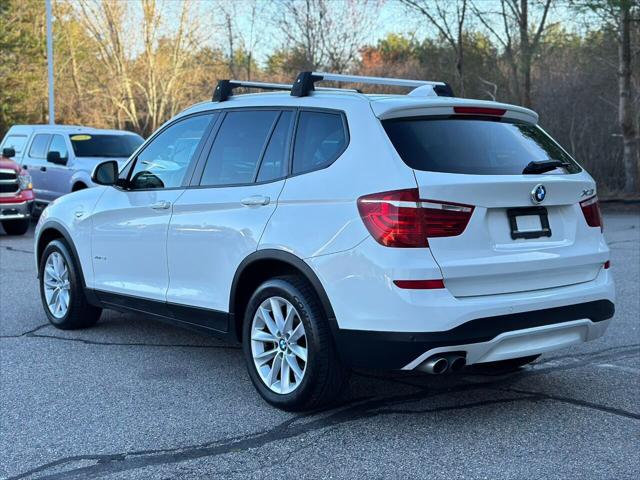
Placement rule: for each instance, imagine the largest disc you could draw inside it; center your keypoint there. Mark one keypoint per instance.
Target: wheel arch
(79, 177)
(54, 231)
(79, 185)
(265, 264)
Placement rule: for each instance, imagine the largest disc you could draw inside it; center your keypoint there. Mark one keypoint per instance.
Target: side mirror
(54, 157)
(8, 152)
(105, 173)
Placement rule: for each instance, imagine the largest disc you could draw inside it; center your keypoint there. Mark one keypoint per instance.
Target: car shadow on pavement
(367, 390)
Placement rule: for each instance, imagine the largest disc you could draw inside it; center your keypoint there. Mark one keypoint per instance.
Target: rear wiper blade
(543, 166)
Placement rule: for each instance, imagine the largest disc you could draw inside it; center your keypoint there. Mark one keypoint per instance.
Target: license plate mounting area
(529, 222)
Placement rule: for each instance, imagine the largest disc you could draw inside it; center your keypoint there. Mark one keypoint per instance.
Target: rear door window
(238, 147)
(473, 146)
(59, 145)
(274, 161)
(39, 145)
(320, 138)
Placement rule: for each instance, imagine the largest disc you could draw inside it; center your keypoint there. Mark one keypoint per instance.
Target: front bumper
(16, 211)
(480, 340)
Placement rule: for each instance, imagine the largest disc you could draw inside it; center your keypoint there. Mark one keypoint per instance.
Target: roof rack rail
(225, 88)
(305, 83)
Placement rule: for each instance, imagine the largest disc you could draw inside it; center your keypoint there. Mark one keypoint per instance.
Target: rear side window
(274, 161)
(58, 145)
(472, 146)
(16, 142)
(238, 147)
(90, 145)
(320, 139)
(39, 146)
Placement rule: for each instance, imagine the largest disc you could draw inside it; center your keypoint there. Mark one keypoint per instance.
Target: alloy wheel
(57, 289)
(279, 345)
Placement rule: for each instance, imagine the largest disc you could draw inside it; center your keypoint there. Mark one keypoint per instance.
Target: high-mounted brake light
(591, 211)
(495, 112)
(400, 219)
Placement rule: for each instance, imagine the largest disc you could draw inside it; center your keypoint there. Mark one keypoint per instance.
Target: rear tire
(61, 289)
(310, 384)
(16, 227)
(503, 366)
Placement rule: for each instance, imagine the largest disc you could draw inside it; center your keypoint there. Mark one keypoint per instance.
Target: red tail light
(419, 284)
(400, 219)
(591, 211)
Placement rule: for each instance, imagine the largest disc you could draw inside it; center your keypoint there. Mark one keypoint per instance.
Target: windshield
(473, 146)
(16, 142)
(90, 145)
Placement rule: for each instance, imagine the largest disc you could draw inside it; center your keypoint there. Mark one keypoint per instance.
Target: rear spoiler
(385, 110)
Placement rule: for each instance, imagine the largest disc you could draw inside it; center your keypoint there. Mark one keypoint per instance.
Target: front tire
(288, 346)
(61, 289)
(16, 227)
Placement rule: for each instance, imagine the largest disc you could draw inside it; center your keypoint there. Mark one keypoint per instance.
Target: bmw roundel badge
(538, 194)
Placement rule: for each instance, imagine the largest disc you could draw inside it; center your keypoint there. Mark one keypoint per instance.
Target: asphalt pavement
(133, 398)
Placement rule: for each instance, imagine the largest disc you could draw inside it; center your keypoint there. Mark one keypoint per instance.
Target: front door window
(164, 162)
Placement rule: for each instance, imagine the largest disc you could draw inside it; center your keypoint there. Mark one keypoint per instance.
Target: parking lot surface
(133, 398)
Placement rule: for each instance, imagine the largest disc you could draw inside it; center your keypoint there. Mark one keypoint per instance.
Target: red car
(16, 195)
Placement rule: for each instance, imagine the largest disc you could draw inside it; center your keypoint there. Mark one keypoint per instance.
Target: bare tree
(347, 27)
(618, 15)
(329, 34)
(489, 88)
(514, 35)
(240, 37)
(449, 21)
(626, 115)
(105, 23)
(145, 89)
(300, 23)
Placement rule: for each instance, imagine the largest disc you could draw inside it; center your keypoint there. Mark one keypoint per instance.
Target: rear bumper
(379, 325)
(481, 340)
(16, 211)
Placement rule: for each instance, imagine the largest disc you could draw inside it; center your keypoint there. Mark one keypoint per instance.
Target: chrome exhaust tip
(434, 365)
(456, 363)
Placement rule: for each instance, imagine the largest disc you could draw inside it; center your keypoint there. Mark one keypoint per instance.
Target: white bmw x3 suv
(325, 230)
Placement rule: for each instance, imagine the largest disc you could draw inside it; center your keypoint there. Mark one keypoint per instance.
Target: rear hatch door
(527, 231)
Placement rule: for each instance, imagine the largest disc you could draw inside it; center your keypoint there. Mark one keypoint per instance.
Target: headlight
(24, 180)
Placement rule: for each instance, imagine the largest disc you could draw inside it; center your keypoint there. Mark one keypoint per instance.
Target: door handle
(43, 169)
(161, 205)
(255, 200)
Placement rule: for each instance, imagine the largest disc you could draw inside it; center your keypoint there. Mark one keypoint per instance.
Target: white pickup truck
(61, 158)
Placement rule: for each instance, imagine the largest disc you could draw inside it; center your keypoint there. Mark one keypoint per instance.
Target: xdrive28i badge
(538, 194)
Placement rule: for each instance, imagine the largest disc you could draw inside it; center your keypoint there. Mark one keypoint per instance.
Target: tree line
(133, 65)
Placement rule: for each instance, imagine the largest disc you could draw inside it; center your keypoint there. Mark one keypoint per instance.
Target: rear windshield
(473, 146)
(90, 145)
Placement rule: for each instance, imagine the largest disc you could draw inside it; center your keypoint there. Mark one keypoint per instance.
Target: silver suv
(60, 158)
